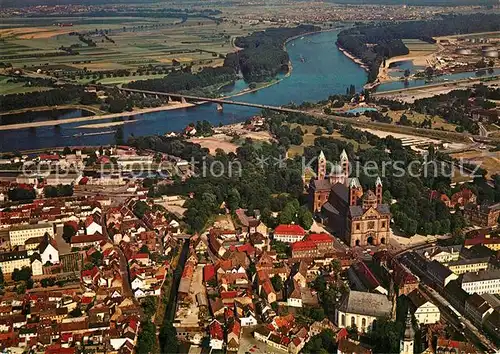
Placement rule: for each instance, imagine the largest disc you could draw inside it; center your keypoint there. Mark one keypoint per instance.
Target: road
(127, 290)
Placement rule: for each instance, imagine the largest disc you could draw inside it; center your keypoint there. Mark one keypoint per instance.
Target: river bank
(353, 58)
(171, 106)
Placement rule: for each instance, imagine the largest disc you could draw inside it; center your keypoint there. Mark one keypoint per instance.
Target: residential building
(462, 266)
(423, 309)
(360, 309)
(14, 260)
(444, 345)
(485, 215)
(347, 346)
(485, 281)
(441, 274)
(443, 254)
(20, 233)
(288, 233)
(477, 309)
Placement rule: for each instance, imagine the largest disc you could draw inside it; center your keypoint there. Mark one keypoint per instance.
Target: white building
(289, 233)
(423, 309)
(20, 233)
(485, 281)
(360, 309)
(48, 250)
(93, 224)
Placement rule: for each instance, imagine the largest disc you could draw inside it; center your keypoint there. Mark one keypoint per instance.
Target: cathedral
(359, 217)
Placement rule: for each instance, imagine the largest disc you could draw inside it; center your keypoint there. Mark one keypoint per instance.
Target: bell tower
(355, 191)
(344, 164)
(321, 166)
(379, 190)
(406, 343)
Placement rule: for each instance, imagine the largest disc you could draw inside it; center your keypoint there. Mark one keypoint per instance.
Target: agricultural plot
(121, 43)
(8, 87)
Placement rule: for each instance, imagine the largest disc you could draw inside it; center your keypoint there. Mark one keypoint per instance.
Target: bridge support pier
(183, 100)
(220, 108)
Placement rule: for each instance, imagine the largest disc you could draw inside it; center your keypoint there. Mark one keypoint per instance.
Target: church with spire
(359, 217)
(406, 344)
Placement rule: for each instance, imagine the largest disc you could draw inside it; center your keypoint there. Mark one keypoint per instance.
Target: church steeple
(344, 164)
(321, 165)
(379, 192)
(406, 344)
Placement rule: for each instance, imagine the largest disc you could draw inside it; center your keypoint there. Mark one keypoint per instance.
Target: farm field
(486, 159)
(7, 87)
(437, 122)
(120, 43)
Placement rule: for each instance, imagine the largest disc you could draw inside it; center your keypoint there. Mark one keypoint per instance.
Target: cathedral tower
(379, 190)
(321, 165)
(406, 343)
(344, 164)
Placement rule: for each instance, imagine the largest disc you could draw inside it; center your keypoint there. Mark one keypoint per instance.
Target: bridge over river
(196, 100)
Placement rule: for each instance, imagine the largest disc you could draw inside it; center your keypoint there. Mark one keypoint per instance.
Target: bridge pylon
(183, 100)
(170, 100)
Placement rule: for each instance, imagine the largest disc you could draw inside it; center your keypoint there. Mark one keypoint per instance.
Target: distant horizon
(27, 3)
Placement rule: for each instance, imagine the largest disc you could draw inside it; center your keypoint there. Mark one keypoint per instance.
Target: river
(324, 72)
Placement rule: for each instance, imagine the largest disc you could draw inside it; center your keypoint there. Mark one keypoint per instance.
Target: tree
(146, 341)
(277, 282)
(385, 336)
(22, 274)
(149, 304)
(21, 288)
(144, 249)
(68, 232)
(96, 258)
(76, 312)
(318, 131)
(305, 218)
(2, 280)
(168, 338)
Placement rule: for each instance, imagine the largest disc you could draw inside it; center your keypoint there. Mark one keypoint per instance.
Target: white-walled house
(423, 309)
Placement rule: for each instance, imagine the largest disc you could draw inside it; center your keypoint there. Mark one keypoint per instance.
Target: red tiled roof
(303, 245)
(208, 272)
(87, 238)
(140, 256)
(289, 230)
(318, 238)
(268, 287)
(216, 331)
(228, 294)
(49, 157)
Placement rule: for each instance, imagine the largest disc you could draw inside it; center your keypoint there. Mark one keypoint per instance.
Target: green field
(7, 87)
(309, 138)
(132, 43)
